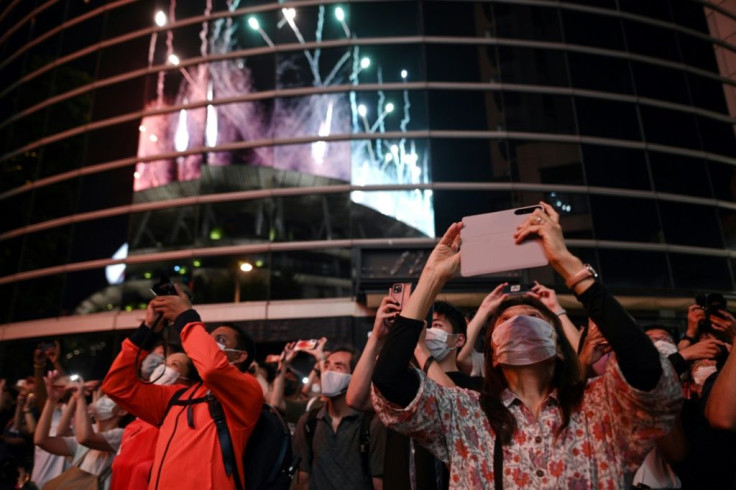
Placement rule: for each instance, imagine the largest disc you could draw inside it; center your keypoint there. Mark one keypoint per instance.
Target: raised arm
(42, 437)
(637, 357)
(549, 298)
(359, 389)
(392, 376)
(276, 397)
(147, 401)
(485, 310)
(720, 409)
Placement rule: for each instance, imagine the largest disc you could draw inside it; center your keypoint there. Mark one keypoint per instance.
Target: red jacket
(189, 457)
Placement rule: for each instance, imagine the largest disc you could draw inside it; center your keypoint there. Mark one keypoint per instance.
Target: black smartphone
(518, 288)
(164, 287)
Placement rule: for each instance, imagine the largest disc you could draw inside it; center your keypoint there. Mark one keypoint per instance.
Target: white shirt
(46, 465)
(96, 461)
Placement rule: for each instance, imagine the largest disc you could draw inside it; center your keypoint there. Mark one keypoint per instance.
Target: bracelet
(586, 272)
(561, 312)
(428, 363)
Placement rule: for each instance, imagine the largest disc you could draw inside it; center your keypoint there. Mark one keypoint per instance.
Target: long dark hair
(566, 377)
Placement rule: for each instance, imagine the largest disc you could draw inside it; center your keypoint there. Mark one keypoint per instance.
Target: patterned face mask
(523, 340)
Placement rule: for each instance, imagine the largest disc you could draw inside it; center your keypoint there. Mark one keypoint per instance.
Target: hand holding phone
(305, 345)
(164, 287)
(399, 293)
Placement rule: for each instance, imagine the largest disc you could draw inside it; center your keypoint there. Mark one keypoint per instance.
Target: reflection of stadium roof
(310, 207)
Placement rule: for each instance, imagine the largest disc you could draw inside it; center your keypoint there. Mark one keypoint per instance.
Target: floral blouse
(603, 445)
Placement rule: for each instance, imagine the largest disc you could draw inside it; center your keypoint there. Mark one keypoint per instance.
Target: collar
(508, 398)
(325, 414)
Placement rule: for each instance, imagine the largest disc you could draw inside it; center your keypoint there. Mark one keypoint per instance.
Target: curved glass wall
(326, 144)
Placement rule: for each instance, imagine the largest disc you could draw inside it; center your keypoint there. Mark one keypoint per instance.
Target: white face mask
(701, 373)
(164, 375)
(439, 342)
(103, 409)
(151, 362)
(523, 340)
(334, 383)
(665, 348)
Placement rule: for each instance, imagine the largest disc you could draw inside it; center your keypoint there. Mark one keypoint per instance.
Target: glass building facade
(288, 161)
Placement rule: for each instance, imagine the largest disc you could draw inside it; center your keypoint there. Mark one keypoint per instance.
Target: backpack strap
(310, 427)
(226, 442)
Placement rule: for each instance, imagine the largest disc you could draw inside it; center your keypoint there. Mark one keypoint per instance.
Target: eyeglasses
(222, 340)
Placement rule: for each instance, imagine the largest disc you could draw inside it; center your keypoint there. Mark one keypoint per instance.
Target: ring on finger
(539, 219)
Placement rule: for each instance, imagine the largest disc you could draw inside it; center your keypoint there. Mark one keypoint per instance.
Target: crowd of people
(514, 395)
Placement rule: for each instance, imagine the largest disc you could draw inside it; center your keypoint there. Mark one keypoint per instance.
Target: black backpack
(268, 459)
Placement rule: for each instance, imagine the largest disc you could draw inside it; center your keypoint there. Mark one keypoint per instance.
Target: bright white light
(160, 18)
(115, 274)
(142, 128)
(365, 62)
(136, 175)
(181, 137)
(362, 110)
(305, 381)
(394, 148)
(389, 107)
(289, 14)
(153, 138)
(340, 14)
(253, 23)
(404, 74)
(246, 267)
(174, 59)
(389, 157)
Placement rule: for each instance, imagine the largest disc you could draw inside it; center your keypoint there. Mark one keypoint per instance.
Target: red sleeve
(146, 401)
(239, 393)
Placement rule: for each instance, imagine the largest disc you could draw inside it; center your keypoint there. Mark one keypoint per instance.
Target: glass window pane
(469, 160)
(717, 136)
(532, 66)
(526, 22)
(620, 120)
(727, 218)
(698, 52)
(587, 29)
(46, 248)
(723, 180)
(378, 214)
(596, 72)
(10, 251)
(53, 201)
(456, 18)
(38, 298)
(625, 219)
(311, 274)
(449, 63)
(699, 272)
(607, 166)
(702, 230)
(546, 162)
(707, 93)
(668, 127)
(538, 113)
(679, 175)
(634, 269)
(654, 9)
(383, 19)
(450, 110)
(650, 40)
(62, 156)
(649, 83)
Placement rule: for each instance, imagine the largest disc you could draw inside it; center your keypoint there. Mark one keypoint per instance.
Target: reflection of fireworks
(371, 162)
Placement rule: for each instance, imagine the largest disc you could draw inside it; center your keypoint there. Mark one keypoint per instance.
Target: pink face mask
(523, 340)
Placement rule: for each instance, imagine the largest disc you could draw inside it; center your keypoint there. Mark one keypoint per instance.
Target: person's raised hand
(594, 347)
(51, 393)
(385, 316)
(547, 296)
(725, 323)
(171, 306)
(318, 352)
(445, 258)
(705, 349)
(695, 314)
(545, 224)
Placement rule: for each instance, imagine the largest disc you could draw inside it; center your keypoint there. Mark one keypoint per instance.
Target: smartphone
(47, 346)
(306, 344)
(164, 287)
(517, 288)
(488, 243)
(400, 292)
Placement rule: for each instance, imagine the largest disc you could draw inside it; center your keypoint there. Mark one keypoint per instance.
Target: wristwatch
(583, 274)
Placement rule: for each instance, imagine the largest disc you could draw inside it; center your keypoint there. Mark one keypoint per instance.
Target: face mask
(103, 409)
(334, 383)
(437, 342)
(164, 375)
(664, 347)
(523, 340)
(702, 372)
(151, 362)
